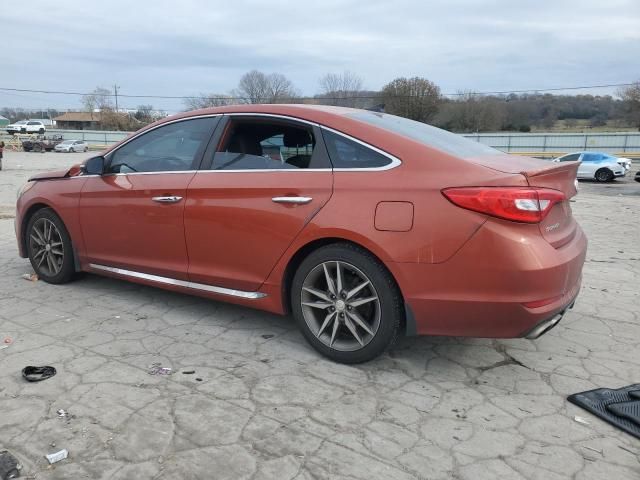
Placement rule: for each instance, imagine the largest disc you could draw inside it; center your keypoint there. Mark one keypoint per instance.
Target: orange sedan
(362, 225)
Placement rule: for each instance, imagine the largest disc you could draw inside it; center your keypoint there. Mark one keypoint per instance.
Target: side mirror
(94, 166)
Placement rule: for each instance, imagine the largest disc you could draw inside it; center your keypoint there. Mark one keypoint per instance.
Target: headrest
(295, 138)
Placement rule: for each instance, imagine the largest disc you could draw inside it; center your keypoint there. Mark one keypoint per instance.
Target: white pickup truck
(26, 126)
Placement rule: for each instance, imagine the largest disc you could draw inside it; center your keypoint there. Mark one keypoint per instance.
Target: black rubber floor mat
(601, 401)
(628, 410)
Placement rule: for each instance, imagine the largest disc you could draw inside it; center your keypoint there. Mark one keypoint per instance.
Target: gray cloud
(182, 48)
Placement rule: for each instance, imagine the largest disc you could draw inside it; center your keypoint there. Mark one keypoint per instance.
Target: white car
(26, 126)
(625, 162)
(596, 165)
(72, 146)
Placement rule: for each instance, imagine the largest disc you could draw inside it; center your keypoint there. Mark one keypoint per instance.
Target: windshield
(21, 122)
(426, 134)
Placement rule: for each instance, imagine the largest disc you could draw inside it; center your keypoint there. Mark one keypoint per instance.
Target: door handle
(294, 200)
(167, 199)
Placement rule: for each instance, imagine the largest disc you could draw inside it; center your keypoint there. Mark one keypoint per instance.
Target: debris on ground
(37, 374)
(32, 277)
(188, 372)
(198, 379)
(580, 420)
(8, 340)
(56, 457)
(158, 369)
(267, 336)
(62, 413)
(9, 466)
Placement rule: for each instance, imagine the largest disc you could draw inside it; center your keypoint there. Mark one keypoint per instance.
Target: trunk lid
(559, 226)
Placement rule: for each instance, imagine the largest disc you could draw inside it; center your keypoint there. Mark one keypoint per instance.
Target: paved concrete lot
(262, 404)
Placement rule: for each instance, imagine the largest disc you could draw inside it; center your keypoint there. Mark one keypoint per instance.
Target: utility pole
(115, 91)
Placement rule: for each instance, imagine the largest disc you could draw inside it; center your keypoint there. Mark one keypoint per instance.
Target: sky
(185, 47)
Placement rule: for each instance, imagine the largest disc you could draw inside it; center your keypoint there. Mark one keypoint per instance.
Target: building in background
(78, 121)
(4, 121)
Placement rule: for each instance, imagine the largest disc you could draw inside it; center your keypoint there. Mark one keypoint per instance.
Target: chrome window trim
(180, 283)
(273, 115)
(395, 161)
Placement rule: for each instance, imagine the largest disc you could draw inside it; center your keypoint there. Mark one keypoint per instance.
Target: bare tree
(340, 89)
(258, 87)
(99, 99)
(207, 100)
(415, 98)
(631, 97)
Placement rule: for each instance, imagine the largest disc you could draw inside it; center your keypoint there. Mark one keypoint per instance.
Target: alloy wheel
(340, 306)
(46, 244)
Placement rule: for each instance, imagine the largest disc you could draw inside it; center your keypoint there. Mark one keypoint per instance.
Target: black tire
(72, 150)
(41, 131)
(604, 175)
(389, 305)
(37, 147)
(65, 264)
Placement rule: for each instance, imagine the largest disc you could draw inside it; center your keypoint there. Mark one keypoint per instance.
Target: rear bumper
(482, 290)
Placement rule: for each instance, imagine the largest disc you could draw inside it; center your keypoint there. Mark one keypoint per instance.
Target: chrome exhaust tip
(544, 326)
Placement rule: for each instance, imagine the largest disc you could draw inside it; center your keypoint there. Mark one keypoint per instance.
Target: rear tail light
(518, 204)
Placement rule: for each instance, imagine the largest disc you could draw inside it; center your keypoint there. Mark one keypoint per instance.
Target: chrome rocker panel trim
(180, 283)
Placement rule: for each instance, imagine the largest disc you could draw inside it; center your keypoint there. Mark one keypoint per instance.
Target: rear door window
(591, 157)
(266, 144)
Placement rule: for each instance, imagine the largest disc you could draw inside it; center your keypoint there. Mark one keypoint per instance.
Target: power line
(192, 97)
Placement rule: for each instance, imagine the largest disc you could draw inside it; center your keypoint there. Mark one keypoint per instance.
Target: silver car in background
(599, 166)
(72, 146)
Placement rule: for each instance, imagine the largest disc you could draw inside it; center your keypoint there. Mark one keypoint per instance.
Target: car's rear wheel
(346, 303)
(49, 247)
(72, 150)
(604, 175)
(41, 131)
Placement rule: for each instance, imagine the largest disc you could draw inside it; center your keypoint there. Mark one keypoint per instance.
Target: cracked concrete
(268, 407)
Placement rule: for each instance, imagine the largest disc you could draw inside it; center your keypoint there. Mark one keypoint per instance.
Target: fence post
(585, 141)
(626, 140)
(509, 143)
(105, 138)
(544, 143)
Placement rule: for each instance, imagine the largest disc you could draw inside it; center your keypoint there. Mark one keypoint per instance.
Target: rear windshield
(448, 142)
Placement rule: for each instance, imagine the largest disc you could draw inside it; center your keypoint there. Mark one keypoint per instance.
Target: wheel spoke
(44, 257)
(330, 285)
(318, 293)
(56, 251)
(353, 330)
(50, 263)
(320, 305)
(359, 321)
(338, 277)
(56, 244)
(362, 301)
(40, 235)
(37, 240)
(336, 324)
(326, 322)
(355, 290)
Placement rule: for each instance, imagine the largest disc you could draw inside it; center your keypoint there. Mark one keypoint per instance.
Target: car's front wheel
(604, 175)
(49, 247)
(346, 303)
